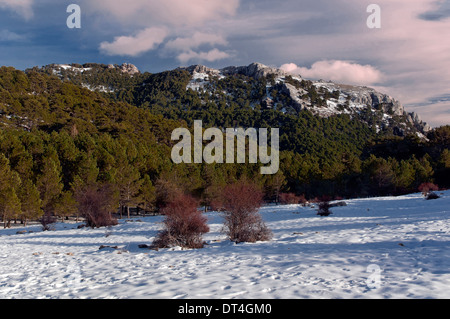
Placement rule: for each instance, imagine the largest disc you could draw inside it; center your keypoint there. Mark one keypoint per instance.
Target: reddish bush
(426, 188)
(291, 198)
(184, 225)
(94, 204)
(243, 223)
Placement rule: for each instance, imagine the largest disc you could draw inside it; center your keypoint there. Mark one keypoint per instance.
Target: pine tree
(405, 174)
(10, 206)
(31, 202)
(128, 184)
(65, 205)
(274, 183)
(49, 183)
(147, 194)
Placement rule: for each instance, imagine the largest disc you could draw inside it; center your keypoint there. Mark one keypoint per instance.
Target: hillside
(67, 127)
(255, 85)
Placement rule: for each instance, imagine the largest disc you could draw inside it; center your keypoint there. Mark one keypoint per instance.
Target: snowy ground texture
(391, 247)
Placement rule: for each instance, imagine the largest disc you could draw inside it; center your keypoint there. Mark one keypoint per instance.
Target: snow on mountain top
(406, 237)
(72, 68)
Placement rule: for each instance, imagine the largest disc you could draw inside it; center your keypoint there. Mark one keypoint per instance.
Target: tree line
(63, 147)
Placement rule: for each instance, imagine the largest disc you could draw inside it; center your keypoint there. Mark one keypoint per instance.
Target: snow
(72, 68)
(100, 88)
(198, 81)
(388, 247)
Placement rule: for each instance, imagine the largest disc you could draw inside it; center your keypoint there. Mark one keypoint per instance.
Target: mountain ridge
(322, 98)
(92, 134)
(358, 94)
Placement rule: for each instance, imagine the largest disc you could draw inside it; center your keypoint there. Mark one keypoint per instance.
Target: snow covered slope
(391, 247)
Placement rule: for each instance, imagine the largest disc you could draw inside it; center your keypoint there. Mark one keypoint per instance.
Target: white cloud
(196, 40)
(22, 7)
(144, 41)
(410, 52)
(210, 56)
(185, 48)
(338, 71)
(184, 24)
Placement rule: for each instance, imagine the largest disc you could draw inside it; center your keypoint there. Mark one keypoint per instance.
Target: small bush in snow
(184, 224)
(291, 198)
(243, 223)
(94, 204)
(427, 188)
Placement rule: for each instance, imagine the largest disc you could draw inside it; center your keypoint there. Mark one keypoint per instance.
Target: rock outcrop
(254, 70)
(201, 69)
(352, 99)
(129, 68)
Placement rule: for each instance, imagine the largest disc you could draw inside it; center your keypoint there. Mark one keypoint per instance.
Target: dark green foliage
(57, 138)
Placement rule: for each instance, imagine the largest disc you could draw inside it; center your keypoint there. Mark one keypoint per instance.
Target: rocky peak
(201, 69)
(254, 70)
(362, 96)
(129, 68)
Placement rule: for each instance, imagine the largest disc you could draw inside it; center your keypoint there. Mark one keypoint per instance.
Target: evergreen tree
(147, 194)
(65, 205)
(10, 206)
(31, 203)
(49, 183)
(128, 183)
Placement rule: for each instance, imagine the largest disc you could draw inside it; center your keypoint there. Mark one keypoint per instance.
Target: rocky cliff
(280, 90)
(320, 97)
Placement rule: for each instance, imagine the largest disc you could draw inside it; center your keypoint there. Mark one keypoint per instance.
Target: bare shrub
(243, 223)
(184, 225)
(427, 188)
(291, 198)
(95, 204)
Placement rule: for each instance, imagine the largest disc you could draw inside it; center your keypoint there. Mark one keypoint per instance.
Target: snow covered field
(391, 247)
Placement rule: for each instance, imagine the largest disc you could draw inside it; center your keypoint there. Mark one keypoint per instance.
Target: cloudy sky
(407, 58)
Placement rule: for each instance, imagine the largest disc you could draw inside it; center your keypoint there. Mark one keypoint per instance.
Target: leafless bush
(95, 204)
(243, 223)
(427, 188)
(184, 225)
(291, 198)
